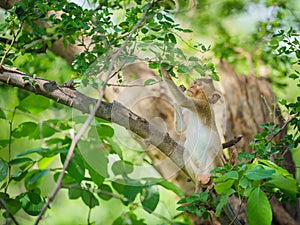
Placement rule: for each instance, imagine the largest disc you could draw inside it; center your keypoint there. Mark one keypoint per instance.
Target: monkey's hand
(182, 87)
(165, 71)
(202, 179)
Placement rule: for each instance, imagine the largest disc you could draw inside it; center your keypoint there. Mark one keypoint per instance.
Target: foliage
(102, 31)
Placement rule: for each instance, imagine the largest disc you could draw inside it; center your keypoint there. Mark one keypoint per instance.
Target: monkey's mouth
(190, 92)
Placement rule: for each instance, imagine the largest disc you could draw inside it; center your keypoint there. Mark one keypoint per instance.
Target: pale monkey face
(196, 91)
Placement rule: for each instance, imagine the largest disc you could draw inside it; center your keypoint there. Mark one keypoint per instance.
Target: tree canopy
(62, 140)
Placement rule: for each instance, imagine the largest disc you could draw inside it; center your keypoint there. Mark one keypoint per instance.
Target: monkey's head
(196, 91)
(203, 89)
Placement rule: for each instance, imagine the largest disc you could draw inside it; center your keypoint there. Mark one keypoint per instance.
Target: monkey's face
(196, 91)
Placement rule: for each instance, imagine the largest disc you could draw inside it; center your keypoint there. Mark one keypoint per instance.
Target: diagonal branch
(114, 112)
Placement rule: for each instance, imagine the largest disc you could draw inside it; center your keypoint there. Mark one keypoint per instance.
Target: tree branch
(114, 112)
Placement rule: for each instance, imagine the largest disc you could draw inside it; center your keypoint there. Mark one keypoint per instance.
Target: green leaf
(3, 169)
(274, 42)
(104, 131)
(128, 218)
(2, 114)
(24, 129)
(168, 185)
(13, 206)
(293, 76)
(298, 54)
(74, 193)
(258, 208)
(129, 191)
(34, 104)
(149, 81)
(40, 151)
(95, 158)
(172, 38)
(224, 186)
(106, 192)
(153, 65)
(76, 166)
(223, 201)
(32, 203)
(183, 69)
(89, 199)
(43, 131)
(18, 161)
(229, 175)
(34, 178)
(258, 172)
(215, 76)
(149, 198)
(121, 167)
(4, 143)
(277, 168)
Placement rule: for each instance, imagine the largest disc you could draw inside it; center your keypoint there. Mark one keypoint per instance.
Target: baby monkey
(194, 116)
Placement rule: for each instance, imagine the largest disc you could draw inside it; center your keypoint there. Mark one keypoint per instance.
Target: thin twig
(9, 149)
(11, 44)
(90, 118)
(2, 202)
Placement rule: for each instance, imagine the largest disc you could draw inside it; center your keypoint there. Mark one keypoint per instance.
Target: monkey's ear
(214, 98)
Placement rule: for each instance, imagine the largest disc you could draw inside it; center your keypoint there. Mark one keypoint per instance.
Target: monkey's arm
(179, 97)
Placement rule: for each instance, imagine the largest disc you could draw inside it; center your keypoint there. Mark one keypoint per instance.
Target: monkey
(203, 147)
(193, 115)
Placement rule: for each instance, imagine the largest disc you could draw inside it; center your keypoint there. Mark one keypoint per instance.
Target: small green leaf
(298, 54)
(159, 16)
(40, 151)
(128, 218)
(95, 159)
(89, 199)
(294, 76)
(121, 167)
(104, 131)
(167, 185)
(224, 186)
(24, 129)
(76, 166)
(258, 172)
(149, 198)
(223, 201)
(106, 192)
(20, 161)
(183, 69)
(32, 203)
(13, 206)
(274, 42)
(215, 76)
(3, 169)
(2, 114)
(149, 81)
(172, 38)
(74, 193)
(153, 65)
(34, 104)
(4, 143)
(34, 178)
(258, 208)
